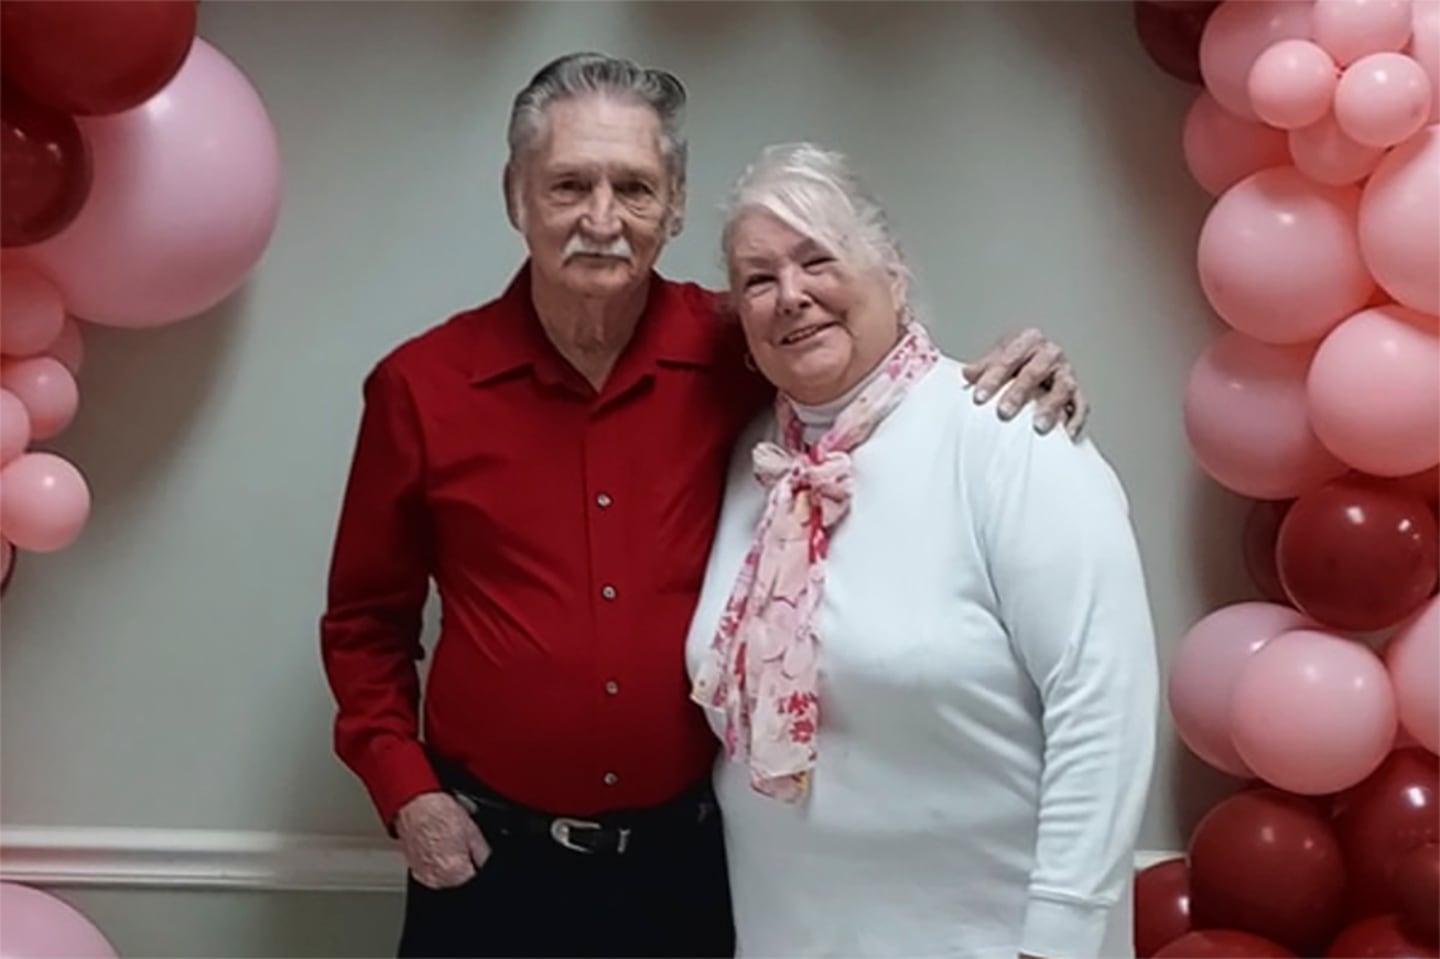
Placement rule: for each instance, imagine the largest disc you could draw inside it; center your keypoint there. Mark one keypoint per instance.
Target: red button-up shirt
(567, 534)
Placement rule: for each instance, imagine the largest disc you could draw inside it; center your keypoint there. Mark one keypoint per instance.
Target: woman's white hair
(814, 192)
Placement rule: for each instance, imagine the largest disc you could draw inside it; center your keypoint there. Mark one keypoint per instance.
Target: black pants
(536, 898)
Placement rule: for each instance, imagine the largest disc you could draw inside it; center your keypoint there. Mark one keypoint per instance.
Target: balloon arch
(1314, 127)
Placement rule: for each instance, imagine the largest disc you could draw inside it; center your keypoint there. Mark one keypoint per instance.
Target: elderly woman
(923, 635)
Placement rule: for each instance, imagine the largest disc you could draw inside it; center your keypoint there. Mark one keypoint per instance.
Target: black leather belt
(612, 834)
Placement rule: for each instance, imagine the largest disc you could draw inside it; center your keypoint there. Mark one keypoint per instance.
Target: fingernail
(1007, 408)
(981, 395)
(1042, 423)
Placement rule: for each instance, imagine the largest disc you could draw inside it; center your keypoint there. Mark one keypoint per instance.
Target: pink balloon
(1313, 713)
(1382, 99)
(14, 426)
(1425, 48)
(1292, 84)
(1413, 659)
(1221, 149)
(69, 346)
(1278, 256)
(1326, 155)
(48, 391)
(1235, 36)
(31, 313)
(185, 198)
(1374, 391)
(37, 925)
(1248, 422)
(1399, 223)
(44, 502)
(1351, 29)
(1206, 666)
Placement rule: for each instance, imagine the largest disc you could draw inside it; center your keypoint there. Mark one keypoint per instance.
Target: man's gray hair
(815, 192)
(586, 74)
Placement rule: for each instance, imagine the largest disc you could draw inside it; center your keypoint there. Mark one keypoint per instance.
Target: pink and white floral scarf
(764, 671)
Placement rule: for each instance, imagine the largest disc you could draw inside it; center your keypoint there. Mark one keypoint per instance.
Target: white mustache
(578, 245)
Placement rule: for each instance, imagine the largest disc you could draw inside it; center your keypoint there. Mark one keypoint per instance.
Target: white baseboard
(217, 859)
(198, 859)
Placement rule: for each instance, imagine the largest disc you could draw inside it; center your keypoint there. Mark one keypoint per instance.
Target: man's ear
(509, 182)
(676, 215)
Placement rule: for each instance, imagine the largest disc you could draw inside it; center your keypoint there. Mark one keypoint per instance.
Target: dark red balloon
(91, 57)
(1162, 905)
(1394, 810)
(1355, 556)
(1267, 863)
(1415, 883)
(1223, 944)
(45, 170)
(1262, 527)
(1170, 33)
(1379, 937)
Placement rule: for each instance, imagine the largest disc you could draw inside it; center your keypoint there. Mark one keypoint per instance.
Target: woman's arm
(1071, 590)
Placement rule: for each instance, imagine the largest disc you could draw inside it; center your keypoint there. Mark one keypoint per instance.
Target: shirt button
(603, 500)
(612, 688)
(608, 592)
(611, 779)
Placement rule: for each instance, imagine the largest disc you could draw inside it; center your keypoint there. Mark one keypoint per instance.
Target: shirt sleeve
(1072, 595)
(378, 583)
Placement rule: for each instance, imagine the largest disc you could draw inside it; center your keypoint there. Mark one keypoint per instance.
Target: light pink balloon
(1326, 155)
(69, 346)
(1399, 222)
(1313, 713)
(1382, 99)
(37, 925)
(1235, 35)
(48, 391)
(1247, 420)
(185, 197)
(1351, 29)
(44, 502)
(1278, 256)
(1425, 48)
(1292, 84)
(1413, 659)
(1203, 674)
(14, 426)
(31, 313)
(1374, 391)
(1221, 149)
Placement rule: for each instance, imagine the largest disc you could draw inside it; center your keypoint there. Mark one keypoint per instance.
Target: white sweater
(987, 704)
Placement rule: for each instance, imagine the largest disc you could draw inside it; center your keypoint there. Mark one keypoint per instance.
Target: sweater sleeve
(1066, 570)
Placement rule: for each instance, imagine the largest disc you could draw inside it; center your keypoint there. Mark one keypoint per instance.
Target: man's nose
(601, 218)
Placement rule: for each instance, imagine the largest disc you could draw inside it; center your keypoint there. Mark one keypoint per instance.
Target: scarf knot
(763, 673)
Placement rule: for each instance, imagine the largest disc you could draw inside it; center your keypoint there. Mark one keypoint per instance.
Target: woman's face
(816, 325)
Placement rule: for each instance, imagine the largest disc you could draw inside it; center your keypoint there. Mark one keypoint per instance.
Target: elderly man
(554, 461)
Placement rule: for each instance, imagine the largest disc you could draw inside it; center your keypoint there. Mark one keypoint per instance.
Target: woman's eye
(815, 262)
(757, 279)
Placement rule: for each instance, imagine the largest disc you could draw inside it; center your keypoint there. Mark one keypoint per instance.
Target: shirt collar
(679, 327)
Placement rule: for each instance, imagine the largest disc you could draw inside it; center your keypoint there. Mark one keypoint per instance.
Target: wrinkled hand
(443, 846)
(1036, 370)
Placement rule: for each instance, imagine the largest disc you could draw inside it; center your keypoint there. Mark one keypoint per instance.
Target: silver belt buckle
(561, 828)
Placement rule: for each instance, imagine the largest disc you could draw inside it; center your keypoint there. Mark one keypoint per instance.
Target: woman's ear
(899, 290)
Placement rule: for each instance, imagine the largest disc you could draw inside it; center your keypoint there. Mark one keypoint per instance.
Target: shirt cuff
(397, 774)
(1063, 928)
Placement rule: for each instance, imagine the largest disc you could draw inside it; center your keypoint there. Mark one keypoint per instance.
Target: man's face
(593, 197)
